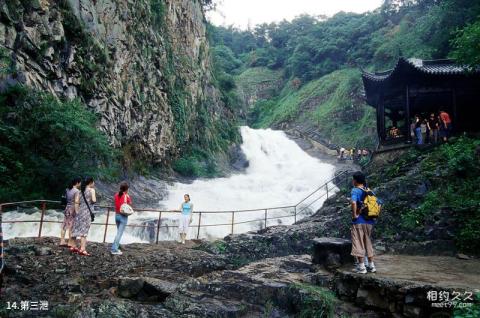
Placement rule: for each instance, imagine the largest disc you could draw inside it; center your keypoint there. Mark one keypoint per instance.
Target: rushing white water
(279, 174)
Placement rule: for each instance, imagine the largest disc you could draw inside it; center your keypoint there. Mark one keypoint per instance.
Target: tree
(466, 45)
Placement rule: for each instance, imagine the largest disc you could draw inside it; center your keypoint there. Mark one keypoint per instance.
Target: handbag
(125, 208)
(92, 216)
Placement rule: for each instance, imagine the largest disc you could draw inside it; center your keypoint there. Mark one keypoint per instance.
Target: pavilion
(421, 87)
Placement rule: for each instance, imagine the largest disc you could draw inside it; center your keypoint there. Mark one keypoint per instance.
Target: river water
(279, 174)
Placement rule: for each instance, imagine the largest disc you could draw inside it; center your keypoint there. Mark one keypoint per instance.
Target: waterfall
(279, 174)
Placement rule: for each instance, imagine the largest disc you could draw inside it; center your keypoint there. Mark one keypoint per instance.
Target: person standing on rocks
(432, 124)
(70, 210)
(85, 216)
(361, 229)
(186, 218)
(445, 125)
(418, 130)
(121, 220)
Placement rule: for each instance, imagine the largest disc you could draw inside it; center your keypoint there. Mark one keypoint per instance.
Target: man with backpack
(365, 209)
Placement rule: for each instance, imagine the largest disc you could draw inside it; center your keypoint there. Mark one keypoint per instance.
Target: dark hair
(85, 183)
(123, 188)
(359, 177)
(187, 195)
(74, 182)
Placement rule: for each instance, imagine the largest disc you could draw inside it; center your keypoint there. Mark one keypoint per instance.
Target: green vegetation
(469, 312)
(157, 8)
(324, 54)
(257, 75)
(467, 45)
(458, 163)
(451, 172)
(339, 117)
(314, 301)
(44, 142)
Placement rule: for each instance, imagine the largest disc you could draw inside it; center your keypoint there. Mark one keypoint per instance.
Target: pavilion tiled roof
(432, 67)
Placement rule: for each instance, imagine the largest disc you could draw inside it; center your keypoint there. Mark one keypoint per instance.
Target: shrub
(44, 142)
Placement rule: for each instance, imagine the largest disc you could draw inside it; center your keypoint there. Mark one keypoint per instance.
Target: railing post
(233, 219)
(41, 219)
(265, 218)
(326, 187)
(158, 226)
(199, 220)
(106, 225)
(295, 214)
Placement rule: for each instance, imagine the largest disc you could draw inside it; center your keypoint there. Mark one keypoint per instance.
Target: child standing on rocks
(361, 227)
(186, 218)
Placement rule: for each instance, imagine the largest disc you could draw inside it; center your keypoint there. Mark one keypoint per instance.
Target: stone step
(402, 283)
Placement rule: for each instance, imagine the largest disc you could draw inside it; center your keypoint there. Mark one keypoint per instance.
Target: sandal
(73, 249)
(84, 253)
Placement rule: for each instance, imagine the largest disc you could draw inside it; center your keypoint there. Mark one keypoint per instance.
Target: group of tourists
(79, 200)
(352, 154)
(79, 197)
(432, 128)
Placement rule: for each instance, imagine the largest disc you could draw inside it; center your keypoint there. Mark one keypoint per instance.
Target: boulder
(129, 287)
(158, 288)
(331, 252)
(145, 288)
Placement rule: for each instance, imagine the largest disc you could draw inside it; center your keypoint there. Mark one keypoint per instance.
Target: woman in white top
(185, 218)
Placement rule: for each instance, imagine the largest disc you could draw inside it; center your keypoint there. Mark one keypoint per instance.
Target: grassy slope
(450, 174)
(257, 75)
(332, 104)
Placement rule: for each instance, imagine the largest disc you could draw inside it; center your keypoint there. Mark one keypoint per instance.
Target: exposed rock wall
(143, 66)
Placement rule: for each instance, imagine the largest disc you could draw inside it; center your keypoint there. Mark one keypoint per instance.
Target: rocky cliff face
(142, 66)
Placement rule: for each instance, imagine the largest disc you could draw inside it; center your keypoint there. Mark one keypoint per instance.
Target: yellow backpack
(371, 208)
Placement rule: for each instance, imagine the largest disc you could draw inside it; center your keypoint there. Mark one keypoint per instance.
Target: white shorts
(184, 223)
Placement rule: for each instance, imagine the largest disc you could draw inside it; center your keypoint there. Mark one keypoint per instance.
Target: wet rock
(158, 288)
(373, 297)
(145, 288)
(412, 311)
(421, 189)
(43, 251)
(130, 287)
(331, 252)
(74, 297)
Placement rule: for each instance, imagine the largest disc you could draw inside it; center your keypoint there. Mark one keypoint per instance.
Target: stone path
(449, 272)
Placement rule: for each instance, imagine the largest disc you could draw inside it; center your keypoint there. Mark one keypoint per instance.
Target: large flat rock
(402, 283)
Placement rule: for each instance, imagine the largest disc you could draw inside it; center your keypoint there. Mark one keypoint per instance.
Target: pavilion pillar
(454, 108)
(381, 119)
(383, 135)
(407, 115)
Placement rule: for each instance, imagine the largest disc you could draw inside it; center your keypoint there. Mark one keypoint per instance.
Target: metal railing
(298, 209)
